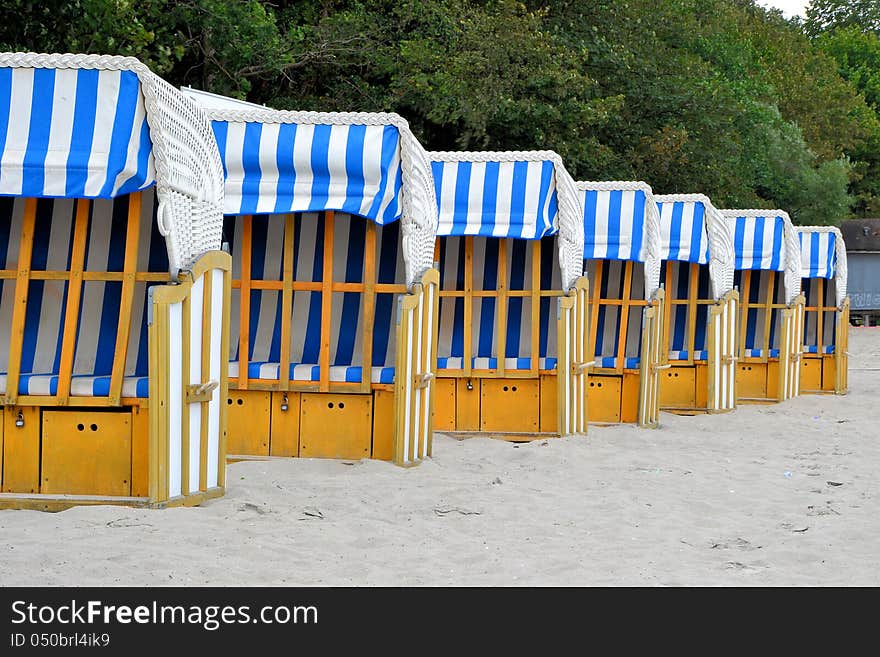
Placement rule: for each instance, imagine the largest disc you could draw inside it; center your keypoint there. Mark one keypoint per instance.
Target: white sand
(703, 501)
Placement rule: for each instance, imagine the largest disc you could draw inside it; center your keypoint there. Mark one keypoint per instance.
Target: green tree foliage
(717, 96)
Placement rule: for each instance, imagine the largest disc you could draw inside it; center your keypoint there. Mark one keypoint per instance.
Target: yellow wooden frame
(502, 295)
(288, 284)
(769, 306)
(692, 302)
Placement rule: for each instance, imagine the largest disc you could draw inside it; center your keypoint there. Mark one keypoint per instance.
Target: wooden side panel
(549, 404)
(604, 398)
(701, 371)
(21, 450)
(383, 425)
(467, 404)
(829, 372)
(629, 397)
(284, 424)
(248, 423)
(444, 404)
(86, 453)
(140, 452)
(509, 405)
(336, 426)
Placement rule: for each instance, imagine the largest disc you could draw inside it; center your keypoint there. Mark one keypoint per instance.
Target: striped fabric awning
(73, 133)
(818, 257)
(758, 242)
(496, 194)
(614, 223)
(288, 167)
(683, 228)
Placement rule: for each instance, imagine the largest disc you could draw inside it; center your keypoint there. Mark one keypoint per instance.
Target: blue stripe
(389, 148)
(615, 201)
(490, 198)
(739, 244)
(84, 110)
(320, 165)
(518, 199)
(832, 256)
(458, 327)
(758, 243)
(778, 245)
(437, 173)
(221, 130)
(7, 206)
(393, 211)
(284, 190)
(679, 322)
(639, 209)
(675, 232)
(351, 301)
(547, 170)
(590, 203)
(126, 106)
(33, 165)
(5, 104)
(548, 253)
(696, 255)
(460, 198)
(515, 304)
(814, 254)
(259, 237)
(354, 169)
(312, 346)
(145, 149)
(390, 236)
(250, 157)
(487, 306)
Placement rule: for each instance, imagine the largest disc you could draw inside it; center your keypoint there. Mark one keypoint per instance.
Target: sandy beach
(776, 495)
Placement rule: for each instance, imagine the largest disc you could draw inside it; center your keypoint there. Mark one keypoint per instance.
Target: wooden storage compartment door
(248, 422)
(444, 404)
(509, 405)
(678, 388)
(811, 374)
(86, 453)
(336, 426)
(21, 450)
(604, 398)
(751, 380)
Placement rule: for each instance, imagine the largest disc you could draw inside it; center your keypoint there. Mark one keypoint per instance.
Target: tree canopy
(716, 96)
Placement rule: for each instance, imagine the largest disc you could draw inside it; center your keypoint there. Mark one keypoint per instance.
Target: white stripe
(18, 131)
(628, 225)
(302, 162)
(447, 198)
(108, 98)
(502, 202)
(533, 192)
(475, 191)
(60, 132)
(234, 154)
(665, 229)
(175, 400)
(371, 161)
(336, 166)
(134, 142)
(193, 414)
(685, 230)
(268, 168)
(603, 202)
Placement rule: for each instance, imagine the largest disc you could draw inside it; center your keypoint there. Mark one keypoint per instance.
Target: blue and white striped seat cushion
(813, 349)
(611, 362)
(518, 335)
(683, 355)
(457, 363)
(346, 331)
(80, 385)
(79, 133)
(100, 301)
(312, 372)
(761, 353)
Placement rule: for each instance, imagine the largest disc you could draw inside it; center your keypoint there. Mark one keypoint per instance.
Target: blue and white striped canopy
(503, 197)
(758, 242)
(818, 254)
(683, 232)
(73, 133)
(300, 167)
(614, 222)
